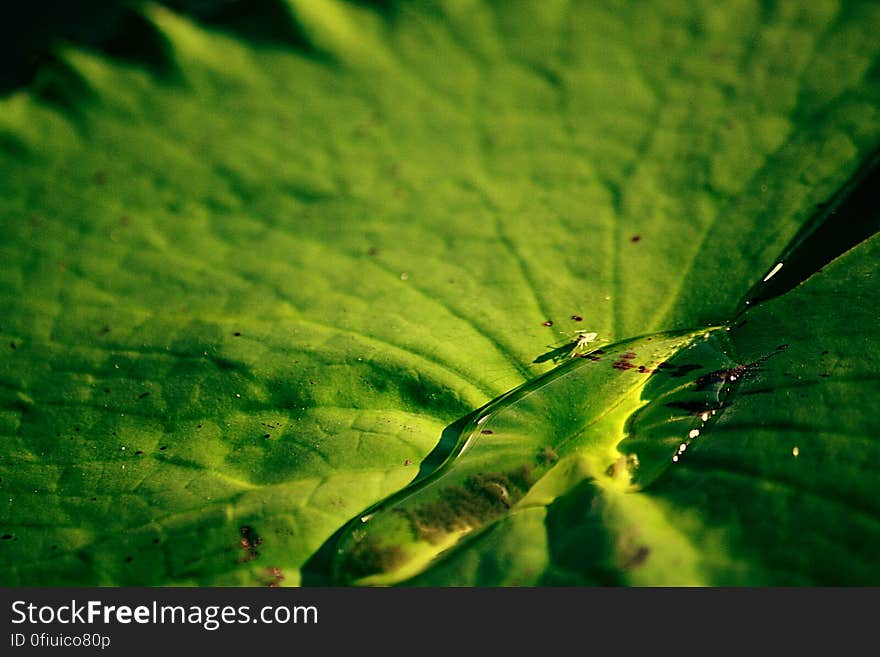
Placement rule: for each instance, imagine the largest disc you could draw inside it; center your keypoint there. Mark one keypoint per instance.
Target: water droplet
(404, 276)
(556, 419)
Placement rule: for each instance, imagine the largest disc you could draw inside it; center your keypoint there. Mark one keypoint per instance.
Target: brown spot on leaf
(248, 543)
(369, 557)
(273, 577)
(547, 456)
(481, 498)
(634, 557)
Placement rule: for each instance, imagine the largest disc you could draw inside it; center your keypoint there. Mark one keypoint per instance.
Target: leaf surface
(249, 285)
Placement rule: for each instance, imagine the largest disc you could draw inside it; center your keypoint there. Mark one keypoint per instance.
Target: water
(624, 413)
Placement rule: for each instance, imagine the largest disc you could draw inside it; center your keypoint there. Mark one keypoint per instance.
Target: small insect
(574, 346)
(581, 340)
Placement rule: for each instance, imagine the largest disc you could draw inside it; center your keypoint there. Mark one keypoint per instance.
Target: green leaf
(526, 448)
(252, 287)
(800, 436)
(780, 489)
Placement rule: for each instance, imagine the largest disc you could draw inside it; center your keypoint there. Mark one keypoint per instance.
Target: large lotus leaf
(780, 487)
(248, 286)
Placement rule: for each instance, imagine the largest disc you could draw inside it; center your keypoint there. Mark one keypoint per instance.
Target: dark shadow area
(30, 31)
(58, 84)
(851, 216)
(580, 543)
(317, 570)
(132, 38)
(261, 21)
(556, 354)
